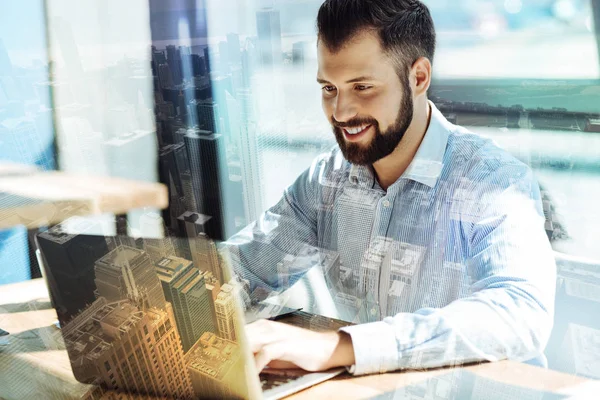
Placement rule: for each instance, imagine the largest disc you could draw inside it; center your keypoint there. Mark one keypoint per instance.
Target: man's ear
(420, 75)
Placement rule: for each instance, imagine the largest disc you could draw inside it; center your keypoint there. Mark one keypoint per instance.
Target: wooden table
(44, 371)
(37, 198)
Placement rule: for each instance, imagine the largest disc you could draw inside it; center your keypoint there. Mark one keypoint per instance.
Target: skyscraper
(220, 87)
(69, 260)
(299, 50)
(191, 224)
(269, 36)
(207, 60)
(200, 247)
(156, 248)
(233, 44)
(224, 62)
(184, 287)
(128, 349)
(22, 136)
(207, 256)
(213, 285)
(128, 273)
(169, 174)
(164, 76)
(216, 368)
(158, 58)
(250, 159)
(206, 157)
(209, 117)
(174, 61)
(68, 47)
(224, 310)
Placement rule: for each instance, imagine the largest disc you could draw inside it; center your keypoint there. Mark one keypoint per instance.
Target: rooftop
(121, 256)
(213, 356)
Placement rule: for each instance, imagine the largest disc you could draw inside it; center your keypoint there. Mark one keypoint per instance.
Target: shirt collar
(427, 164)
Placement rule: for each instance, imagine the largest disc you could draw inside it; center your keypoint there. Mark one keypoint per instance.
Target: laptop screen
(159, 316)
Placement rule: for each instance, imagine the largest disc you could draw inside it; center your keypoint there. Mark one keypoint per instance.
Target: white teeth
(354, 131)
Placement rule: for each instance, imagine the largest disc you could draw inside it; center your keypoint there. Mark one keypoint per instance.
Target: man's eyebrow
(354, 80)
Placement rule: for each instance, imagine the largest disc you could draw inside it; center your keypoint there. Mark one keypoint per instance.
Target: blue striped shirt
(450, 265)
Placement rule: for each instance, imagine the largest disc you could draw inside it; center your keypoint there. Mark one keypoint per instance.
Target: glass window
(26, 134)
(540, 39)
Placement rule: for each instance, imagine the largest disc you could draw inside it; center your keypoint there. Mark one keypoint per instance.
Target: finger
(268, 353)
(258, 335)
(278, 364)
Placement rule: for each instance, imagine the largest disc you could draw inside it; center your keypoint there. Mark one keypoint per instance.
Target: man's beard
(382, 144)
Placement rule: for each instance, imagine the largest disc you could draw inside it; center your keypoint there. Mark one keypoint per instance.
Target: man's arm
(513, 276)
(271, 252)
(508, 315)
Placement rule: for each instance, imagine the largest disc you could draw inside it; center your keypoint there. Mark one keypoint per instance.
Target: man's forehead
(360, 58)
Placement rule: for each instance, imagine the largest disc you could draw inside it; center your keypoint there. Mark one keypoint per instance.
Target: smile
(356, 131)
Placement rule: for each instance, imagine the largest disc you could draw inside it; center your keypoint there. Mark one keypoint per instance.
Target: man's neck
(389, 169)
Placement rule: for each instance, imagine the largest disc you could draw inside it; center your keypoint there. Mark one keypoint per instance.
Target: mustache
(354, 123)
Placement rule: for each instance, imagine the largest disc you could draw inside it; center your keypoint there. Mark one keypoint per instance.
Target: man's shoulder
(477, 157)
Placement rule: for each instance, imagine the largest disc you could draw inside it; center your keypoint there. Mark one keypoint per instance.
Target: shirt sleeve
(280, 247)
(509, 312)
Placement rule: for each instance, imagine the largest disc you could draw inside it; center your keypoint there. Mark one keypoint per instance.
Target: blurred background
(218, 100)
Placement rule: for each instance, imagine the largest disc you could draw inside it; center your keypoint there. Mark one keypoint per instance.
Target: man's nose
(344, 108)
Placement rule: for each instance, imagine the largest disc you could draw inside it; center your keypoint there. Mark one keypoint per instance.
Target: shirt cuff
(375, 348)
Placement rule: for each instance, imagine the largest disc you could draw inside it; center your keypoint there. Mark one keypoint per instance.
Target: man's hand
(284, 346)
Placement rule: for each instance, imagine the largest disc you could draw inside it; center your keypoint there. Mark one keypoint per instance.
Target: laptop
(158, 317)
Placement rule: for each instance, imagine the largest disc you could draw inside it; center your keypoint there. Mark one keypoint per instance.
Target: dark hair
(405, 27)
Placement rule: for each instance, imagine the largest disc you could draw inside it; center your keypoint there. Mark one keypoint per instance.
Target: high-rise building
(169, 169)
(209, 117)
(182, 109)
(216, 368)
(299, 50)
(174, 61)
(174, 171)
(220, 87)
(198, 66)
(224, 62)
(191, 224)
(69, 260)
(128, 348)
(21, 135)
(250, 160)
(247, 106)
(207, 256)
(207, 60)
(184, 287)
(128, 273)
(160, 247)
(199, 246)
(269, 36)
(213, 285)
(165, 78)
(234, 49)
(158, 58)
(225, 310)
(206, 156)
(68, 47)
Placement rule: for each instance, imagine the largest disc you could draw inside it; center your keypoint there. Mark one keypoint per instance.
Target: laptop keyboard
(269, 380)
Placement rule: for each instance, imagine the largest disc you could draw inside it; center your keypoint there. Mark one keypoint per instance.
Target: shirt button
(386, 203)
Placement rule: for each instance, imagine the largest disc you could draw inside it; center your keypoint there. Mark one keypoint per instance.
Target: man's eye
(362, 87)
(328, 88)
